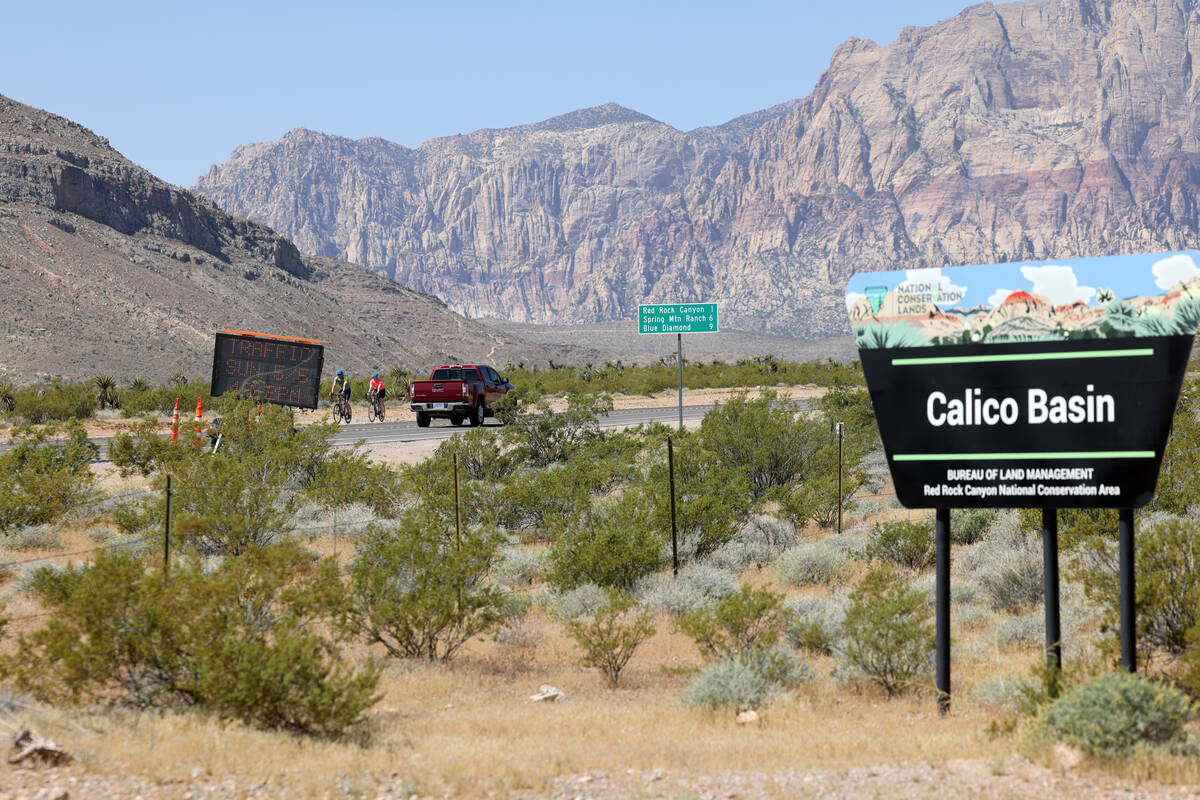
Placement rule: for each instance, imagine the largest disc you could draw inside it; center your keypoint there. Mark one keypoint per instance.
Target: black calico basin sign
(1039, 385)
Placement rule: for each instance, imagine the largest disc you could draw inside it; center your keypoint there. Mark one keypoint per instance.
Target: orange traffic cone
(175, 421)
(199, 413)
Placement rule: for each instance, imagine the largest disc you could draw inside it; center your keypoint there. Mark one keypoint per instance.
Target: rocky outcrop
(105, 268)
(1018, 131)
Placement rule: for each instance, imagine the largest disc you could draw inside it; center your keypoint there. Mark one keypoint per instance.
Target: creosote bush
(609, 635)
(903, 543)
(748, 619)
(887, 634)
(256, 638)
(1110, 716)
(44, 476)
(420, 590)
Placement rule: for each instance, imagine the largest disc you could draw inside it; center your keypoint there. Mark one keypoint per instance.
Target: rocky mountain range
(106, 269)
(1016, 131)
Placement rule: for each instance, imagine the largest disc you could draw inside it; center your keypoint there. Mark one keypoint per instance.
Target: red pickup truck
(457, 392)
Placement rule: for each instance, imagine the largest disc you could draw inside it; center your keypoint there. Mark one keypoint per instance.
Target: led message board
(280, 370)
(1038, 385)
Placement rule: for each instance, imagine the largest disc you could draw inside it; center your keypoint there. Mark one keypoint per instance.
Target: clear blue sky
(176, 86)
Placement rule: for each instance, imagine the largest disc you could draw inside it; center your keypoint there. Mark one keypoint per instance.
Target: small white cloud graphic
(1057, 283)
(932, 284)
(853, 297)
(999, 296)
(1174, 269)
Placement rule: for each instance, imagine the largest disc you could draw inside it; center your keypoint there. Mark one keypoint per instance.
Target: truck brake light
(464, 388)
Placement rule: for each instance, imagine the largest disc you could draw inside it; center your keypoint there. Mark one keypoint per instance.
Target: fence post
(167, 534)
(674, 537)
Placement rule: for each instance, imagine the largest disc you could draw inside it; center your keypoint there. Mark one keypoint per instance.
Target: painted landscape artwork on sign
(1090, 298)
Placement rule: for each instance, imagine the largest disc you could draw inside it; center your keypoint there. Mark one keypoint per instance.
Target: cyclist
(340, 391)
(376, 392)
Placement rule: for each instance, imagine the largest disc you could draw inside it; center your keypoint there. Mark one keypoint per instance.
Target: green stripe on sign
(1058, 356)
(1016, 456)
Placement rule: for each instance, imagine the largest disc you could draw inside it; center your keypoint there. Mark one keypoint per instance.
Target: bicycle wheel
(379, 412)
(346, 412)
(372, 412)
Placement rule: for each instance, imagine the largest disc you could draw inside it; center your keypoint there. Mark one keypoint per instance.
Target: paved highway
(379, 433)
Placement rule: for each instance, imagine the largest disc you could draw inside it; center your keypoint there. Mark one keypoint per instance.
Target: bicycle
(375, 409)
(341, 410)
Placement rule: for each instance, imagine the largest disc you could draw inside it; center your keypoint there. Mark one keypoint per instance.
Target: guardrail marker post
(942, 605)
(1128, 594)
(457, 528)
(674, 539)
(1050, 577)
(839, 497)
(167, 533)
(679, 357)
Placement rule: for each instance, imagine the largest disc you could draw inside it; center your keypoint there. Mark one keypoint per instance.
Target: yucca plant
(139, 385)
(8, 398)
(106, 386)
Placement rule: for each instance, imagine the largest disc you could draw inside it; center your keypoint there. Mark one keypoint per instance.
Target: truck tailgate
(437, 391)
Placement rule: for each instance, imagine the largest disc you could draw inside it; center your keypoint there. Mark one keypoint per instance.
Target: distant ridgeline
(1038, 385)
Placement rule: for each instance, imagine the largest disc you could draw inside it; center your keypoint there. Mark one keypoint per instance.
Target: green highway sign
(678, 318)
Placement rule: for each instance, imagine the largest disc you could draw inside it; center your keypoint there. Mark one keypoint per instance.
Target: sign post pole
(1050, 577)
(679, 358)
(1128, 590)
(674, 536)
(942, 603)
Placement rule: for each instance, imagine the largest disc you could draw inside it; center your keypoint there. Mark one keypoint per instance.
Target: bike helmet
(374, 374)
(339, 372)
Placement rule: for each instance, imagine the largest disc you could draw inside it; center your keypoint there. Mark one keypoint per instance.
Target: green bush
(818, 562)
(610, 544)
(419, 589)
(610, 635)
(1111, 715)
(814, 624)
(44, 476)
(887, 634)
(256, 639)
(541, 436)
(54, 402)
(1167, 581)
(903, 543)
(969, 525)
(748, 619)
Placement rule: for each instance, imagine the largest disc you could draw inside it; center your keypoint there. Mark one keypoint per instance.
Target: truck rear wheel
(477, 415)
(422, 419)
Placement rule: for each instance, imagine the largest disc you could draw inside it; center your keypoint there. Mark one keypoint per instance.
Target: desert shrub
(54, 402)
(514, 636)
(696, 587)
(33, 537)
(1005, 693)
(969, 525)
(256, 638)
(1111, 715)
(887, 633)
(100, 533)
(1027, 630)
(481, 455)
(812, 563)
(749, 681)
(520, 567)
(903, 543)
(567, 604)
(965, 592)
(785, 445)
(1008, 568)
(712, 500)
(747, 619)
(757, 543)
(610, 544)
(418, 589)
(1167, 581)
(541, 436)
(1177, 489)
(44, 476)
(814, 624)
(610, 635)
